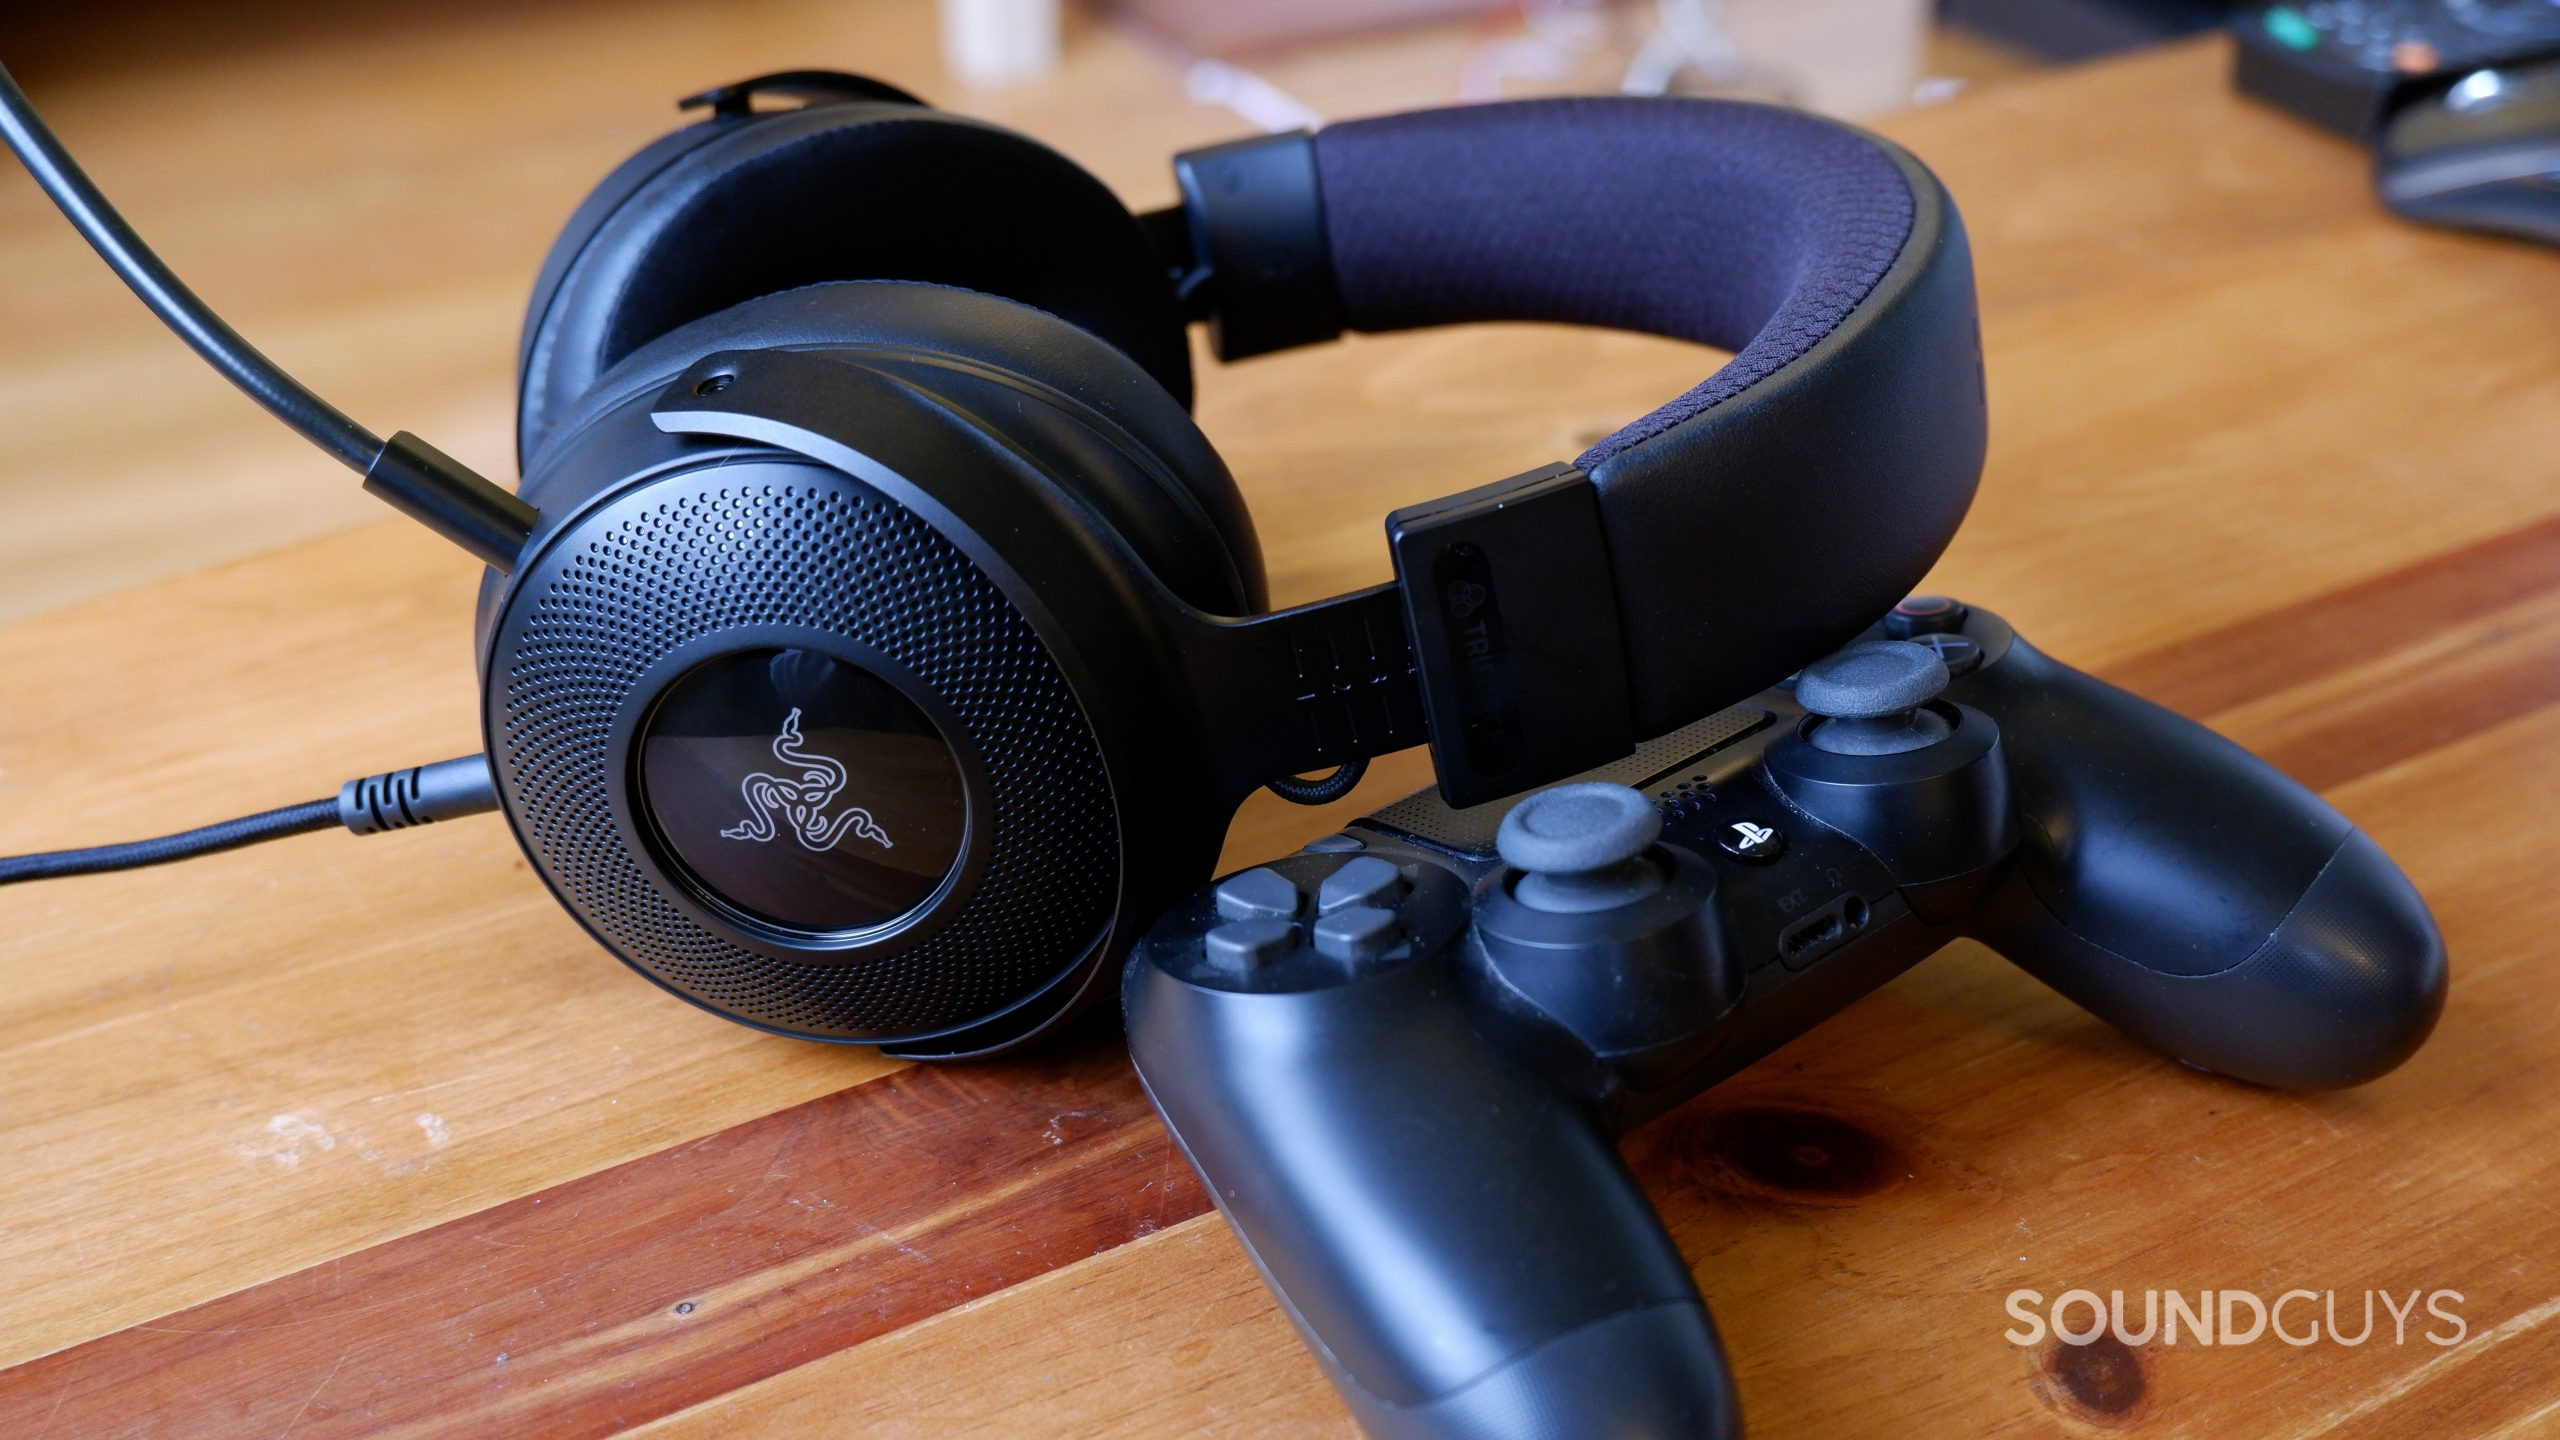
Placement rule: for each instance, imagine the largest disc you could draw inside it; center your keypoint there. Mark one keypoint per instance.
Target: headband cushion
(745, 206)
(1746, 227)
(1776, 509)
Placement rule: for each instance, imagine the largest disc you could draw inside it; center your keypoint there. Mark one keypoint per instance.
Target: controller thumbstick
(1873, 699)
(1580, 848)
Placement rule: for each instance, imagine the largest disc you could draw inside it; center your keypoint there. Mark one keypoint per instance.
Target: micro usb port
(1817, 934)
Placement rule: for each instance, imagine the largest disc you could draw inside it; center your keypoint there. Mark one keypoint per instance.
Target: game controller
(1399, 1058)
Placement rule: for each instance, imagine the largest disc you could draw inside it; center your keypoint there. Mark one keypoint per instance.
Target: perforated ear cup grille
(747, 545)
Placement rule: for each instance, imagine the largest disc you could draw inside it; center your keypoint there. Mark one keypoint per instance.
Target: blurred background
(366, 189)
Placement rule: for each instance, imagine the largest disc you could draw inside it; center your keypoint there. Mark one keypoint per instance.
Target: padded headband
(1744, 227)
(1683, 563)
(1759, 519)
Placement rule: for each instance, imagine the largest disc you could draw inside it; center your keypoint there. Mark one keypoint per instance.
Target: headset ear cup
(1105, 428)
(902, 599)
(851, 191)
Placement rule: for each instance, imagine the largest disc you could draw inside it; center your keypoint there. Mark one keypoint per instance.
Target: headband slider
(1260, 267)
(1508, 591)
(810, 87)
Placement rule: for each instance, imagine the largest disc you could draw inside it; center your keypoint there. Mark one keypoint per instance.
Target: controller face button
(1258, 894)
(1335, 844)
(1359, 934)
(1751, 842)
(1921, 615)
(1367, 880)
(1243, 944)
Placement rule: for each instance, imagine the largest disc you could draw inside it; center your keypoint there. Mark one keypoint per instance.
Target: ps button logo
(1751, 842)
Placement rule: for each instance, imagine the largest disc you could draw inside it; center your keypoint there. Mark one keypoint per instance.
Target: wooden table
(332, 1137)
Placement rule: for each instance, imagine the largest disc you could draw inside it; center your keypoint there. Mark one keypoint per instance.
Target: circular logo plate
(801, 791)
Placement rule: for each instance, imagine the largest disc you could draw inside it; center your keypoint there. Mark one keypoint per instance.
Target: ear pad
(1102, 426)
(734, 208)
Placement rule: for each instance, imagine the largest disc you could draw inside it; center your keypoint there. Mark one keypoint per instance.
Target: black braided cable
(187, 844)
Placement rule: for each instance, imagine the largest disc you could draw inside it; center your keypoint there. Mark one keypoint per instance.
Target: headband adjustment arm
(1318, 687)
(1512, 602)
(1258, 266)
(810, 87)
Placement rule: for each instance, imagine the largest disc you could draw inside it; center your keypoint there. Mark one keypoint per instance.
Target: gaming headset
(874, 644)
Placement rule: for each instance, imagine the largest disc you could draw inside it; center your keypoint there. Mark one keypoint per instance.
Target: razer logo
(799, 800)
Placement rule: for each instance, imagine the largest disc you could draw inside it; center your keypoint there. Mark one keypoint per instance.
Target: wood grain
(2258, 451)
(2391, 667)
(318, 1044)
(637, 1290)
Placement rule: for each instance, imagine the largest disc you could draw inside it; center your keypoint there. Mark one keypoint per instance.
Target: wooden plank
(662, 1282)
(2413, 606)
(1171, 1334)
(2340, 684)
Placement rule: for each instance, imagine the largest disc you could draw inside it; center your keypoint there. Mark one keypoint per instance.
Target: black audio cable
(394, 800)
(417, 479)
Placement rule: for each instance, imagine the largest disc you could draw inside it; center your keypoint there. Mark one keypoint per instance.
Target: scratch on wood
(2485, 1341)
(305, 1407)
(2528, 1424)
(2318, 1113)
(58, 1397)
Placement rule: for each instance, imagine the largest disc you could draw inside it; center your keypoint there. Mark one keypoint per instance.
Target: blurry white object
(1554, 36)
(999, 42)
(1840, 57)
(1687, 35)
(1258, 101)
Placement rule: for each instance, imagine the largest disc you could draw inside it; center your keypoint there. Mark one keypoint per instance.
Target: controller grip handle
(2198, 898)
(1458, 1243)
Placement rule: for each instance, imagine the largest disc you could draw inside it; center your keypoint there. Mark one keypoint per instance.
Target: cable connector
(420, 795)
(397, 800)
(452, 499)
(417, 479)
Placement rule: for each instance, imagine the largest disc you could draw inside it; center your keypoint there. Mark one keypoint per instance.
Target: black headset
(874, 644)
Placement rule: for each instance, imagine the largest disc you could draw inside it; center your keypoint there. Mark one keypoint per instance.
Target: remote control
(2348, 64)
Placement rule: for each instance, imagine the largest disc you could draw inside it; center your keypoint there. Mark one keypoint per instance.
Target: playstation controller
(1400, 1058)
